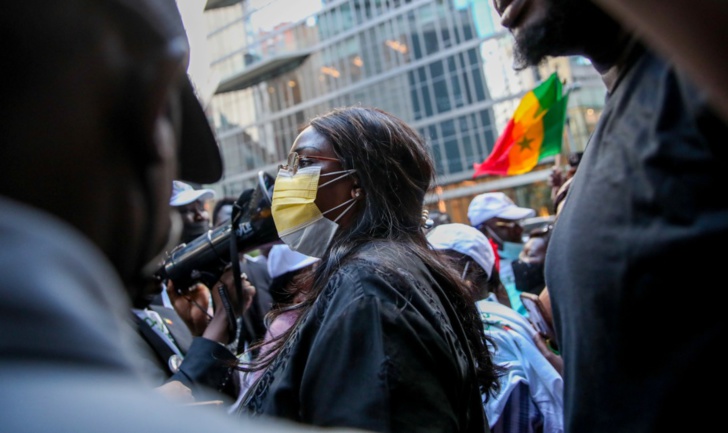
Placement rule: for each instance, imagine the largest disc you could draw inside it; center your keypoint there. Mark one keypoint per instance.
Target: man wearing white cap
(531, 393)
(498, 217)
(190, 203)
(469, 247)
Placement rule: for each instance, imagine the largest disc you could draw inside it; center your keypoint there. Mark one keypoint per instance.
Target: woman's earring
(425, 220)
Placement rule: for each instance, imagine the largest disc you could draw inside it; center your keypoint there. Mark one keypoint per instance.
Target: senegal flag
(533, 133)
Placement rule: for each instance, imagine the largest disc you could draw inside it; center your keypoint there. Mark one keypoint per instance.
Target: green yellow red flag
(534, 132)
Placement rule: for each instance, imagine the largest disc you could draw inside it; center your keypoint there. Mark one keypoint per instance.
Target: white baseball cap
(282, 259)
(183, 193)
(465, 240)
(495, 204)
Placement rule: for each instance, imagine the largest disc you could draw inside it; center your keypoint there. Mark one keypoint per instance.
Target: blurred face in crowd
(110, 151)
(195, 220)
(504, 230)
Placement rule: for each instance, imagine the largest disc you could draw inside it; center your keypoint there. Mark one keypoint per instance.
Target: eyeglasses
(295, 161)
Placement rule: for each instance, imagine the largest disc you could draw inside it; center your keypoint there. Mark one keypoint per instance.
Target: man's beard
(571, 27)
(532, 46)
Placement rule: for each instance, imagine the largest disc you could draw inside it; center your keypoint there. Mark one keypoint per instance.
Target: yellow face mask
(299, 222)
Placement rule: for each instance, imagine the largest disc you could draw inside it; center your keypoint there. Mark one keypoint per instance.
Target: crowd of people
(362, 313)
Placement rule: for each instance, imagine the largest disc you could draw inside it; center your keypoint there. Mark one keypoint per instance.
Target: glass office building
(444, 66)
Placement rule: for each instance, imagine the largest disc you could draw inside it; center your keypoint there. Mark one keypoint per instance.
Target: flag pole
(569, 138)
(567, 127)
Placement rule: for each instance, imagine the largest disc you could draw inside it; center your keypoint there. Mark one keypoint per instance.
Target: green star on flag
(534, 132)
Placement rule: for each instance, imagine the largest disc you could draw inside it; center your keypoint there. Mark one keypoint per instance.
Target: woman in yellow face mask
(387, 339)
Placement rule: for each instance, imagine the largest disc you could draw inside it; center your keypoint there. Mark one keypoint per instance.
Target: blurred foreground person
(98, 117)
(648, 197)
(388, 338)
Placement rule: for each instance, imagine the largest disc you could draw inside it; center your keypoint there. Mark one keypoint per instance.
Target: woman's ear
(357, 193)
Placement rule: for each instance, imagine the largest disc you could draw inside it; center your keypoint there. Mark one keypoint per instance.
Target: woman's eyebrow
(298, 149)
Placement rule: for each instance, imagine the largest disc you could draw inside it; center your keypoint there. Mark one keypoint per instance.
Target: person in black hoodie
(98, 118)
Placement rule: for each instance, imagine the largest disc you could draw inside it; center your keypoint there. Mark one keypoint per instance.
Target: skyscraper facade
(444, 66)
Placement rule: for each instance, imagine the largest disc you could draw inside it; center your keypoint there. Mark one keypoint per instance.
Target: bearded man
(647, 198)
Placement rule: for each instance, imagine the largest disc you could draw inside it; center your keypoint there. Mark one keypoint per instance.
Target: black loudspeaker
(205, 258)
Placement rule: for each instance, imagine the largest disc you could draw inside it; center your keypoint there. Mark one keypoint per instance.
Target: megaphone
(204, 259)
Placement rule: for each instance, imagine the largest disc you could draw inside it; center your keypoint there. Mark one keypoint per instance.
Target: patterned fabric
(531, 395)
(520, 414)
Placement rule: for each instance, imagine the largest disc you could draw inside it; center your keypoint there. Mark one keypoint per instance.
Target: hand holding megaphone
(205, 258)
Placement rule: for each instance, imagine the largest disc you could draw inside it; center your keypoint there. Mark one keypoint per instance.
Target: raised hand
(218, 329)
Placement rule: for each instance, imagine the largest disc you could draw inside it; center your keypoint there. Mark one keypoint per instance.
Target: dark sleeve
(207, 366)
(258, 276)
(376, 366)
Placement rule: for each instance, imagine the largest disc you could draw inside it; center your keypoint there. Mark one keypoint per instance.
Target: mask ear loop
(351, 202)
(345, 173)
(493, 234)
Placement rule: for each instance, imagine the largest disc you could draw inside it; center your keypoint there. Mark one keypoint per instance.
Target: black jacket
(381, 350)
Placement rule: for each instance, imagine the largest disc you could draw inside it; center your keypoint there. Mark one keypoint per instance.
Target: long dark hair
(395, 170)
